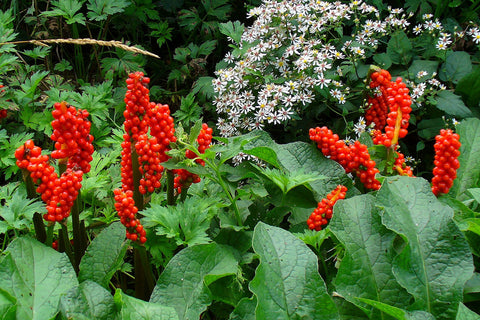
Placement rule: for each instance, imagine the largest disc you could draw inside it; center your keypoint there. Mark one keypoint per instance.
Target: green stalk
(137, 196)
(50, 229)
(65, 241)
(170, 188)
(38, 223)
(78, 54)
(219, 180)
(144, 280)
(78, 247)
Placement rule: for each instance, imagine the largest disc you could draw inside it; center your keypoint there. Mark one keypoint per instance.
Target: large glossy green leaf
(245, 310)
(469, 172)
(184, 282)
(398, 313)
(436, 260)
(457, 65)
(131, 308)
(287, 283)
(452, 104)
(36, 276)
(104, 256)
(399, 48)
(469, 88)
(87, 301)
(296, 155)
(466, 314)
(8, 306)
(366, 269)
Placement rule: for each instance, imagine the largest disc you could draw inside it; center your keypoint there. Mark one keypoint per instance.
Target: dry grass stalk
(85, 41)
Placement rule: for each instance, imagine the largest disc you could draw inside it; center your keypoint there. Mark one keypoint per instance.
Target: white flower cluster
(292, 54)
(428, 85)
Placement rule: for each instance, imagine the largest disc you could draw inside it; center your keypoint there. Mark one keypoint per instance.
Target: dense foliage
(223, 159)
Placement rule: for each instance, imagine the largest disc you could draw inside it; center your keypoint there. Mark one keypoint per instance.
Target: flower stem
(78, 245)
(144, 280)
(219, 180)
(38, 223)
(65, 245)
(170, 188)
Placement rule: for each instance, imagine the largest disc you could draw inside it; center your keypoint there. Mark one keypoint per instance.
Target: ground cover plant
(239, 160)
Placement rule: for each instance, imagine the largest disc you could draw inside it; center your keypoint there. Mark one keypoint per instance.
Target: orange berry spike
(446, 162)
(323, 213)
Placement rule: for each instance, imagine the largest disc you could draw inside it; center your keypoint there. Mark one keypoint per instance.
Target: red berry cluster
(137, 102)
(396, 96)
(149, 130)
(446, 162)
(184, 178)
(152, 151)
(71, 133)
(59, 193)
(125, 206)
(3, 112)
(354, 158)
(378, 110)
(400, 166)
(323, 213)
(364, 166)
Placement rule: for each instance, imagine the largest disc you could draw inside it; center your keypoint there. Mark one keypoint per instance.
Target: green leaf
(452, 104)
(67, 9)
(286, 181)
(429, 128)
(456, 66)
(366, 269)
(217, 8)
(468, 174)
(266, 154)
(399, 48)
(179, 222)
(233, 30)
(135, 309)
(422, 65)
(8, 307)
(436, 260)
(183, 283)
(101, 9)
(475, 192)
(195, 131)
(398, 313)
(31, 84)
(189, 19)
(286, 283)
(245, 309)
(104, 256)
(469, 88)
(37, 276)
(306, 156)
(383, 60)
(87, 301)
(206, 48)
(203, 85)
(466, 314)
